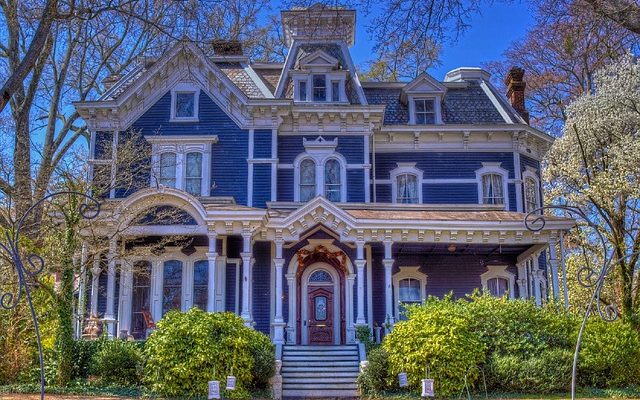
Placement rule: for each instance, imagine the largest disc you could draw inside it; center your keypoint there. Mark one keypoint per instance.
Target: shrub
(118, 361)
(365, 336)
(189, 349)
(374, 378)
(609, 355)
(548, 372)
(437, 335)
(84, 351)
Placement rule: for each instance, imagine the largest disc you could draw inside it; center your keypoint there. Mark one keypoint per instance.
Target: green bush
(437, 335)
(374, 378)
(118, 361)
(548, 372)
(84, 351)
(189, 349)
(610, 355)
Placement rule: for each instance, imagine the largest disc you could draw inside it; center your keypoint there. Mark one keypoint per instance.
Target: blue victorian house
(314, 202)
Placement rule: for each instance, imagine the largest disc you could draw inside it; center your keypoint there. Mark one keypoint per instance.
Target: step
(352, 358)
(320, 374)
(319, 393)
(323, 363)
(286, 370)
(308, 385)
(320, 353)
(321, 380)
(319, 347)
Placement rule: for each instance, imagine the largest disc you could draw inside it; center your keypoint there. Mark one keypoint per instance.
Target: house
(311, 202)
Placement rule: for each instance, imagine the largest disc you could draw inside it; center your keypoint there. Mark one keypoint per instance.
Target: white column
(212, 255)
(522, 279)
(126, 293)
(553, 263)
(111, 286)
(388, 287)
(537, 274)
(95, 282)
(291, 324)
(247, 260)
(82, 306)
(360, 264)
(278, 320)
(157, 282)
(564, 271)
(351, 332)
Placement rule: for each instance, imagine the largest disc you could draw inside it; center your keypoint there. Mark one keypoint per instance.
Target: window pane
(319, 88)
(200, 284)
(140, 298)
(307, 180)
(497, 286)
(530, 192)
(410, 290)
(185, 105)
(407, 189)
(335, 91)
(420, 105)
(492, 189)
(172, 286)
(168, 169)
(320, 276)
(321, 308)
(332, 185)
(302, 90)
(193, 184)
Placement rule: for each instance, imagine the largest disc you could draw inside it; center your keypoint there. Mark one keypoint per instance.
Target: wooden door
(320, 313)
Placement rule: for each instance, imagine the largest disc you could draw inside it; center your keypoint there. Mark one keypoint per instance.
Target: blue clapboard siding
(450, 193)
(228, 155)
(512, 196)
(139, 174)
(355, 185)
(103, 145)
(443, 165)
(231, 285)
(383, 193)
(377, 285)
(262, 286)
(262, 143)
(526, 161)
(261, 185)
(285, 184)
(351, 147)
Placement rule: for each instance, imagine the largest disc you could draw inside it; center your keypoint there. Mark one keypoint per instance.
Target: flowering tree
(595, 166)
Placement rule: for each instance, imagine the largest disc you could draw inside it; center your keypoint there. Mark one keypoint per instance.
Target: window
(498, 287)
(425, 111)
(168, 169)
(302, 90)
(498, 281)
(172, 286)
(407, 189)
(492, 192)
(307, 180)
(409, 288)
(200, 284)
(332, 185)
(320, 308)
(193, 183)
(335, 91)
(185, 105)
(320, 276)
(319, 88)
(140, 299)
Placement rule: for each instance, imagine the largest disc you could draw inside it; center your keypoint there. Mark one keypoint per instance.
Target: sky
(487, 38)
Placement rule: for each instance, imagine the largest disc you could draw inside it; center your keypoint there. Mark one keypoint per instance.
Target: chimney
(227, 47)
(110, 80)
(515, 91)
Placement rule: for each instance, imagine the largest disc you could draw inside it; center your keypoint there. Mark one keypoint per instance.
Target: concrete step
(322, 363)
(323, 369)
(319, 353)
(317, 347)
(308, 386)
(319, 393)
(319, 374)
(289, 358)
(321, 380)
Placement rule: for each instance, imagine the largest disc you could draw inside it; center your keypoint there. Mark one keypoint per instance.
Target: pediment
(318, 59)
(424, 83)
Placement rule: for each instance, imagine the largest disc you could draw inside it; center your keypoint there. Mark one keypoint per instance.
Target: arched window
(492, 189)
(320, 276)
(498, 281)
(168, 169)
(307, 179)
(332, 184)
(172, 286)
(200, 284)
(193, 183)
(531, 191)
(140, 299)
(407, 189)
(498, 286)
(409, 288)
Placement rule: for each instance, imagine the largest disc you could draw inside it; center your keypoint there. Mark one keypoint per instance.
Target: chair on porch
(149, 324)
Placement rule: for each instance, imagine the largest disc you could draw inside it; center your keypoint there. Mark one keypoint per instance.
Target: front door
(320, 312)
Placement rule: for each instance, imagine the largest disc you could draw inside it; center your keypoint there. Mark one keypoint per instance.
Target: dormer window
(425, 110)
(328, 87)
(424, 96)
(184, 103)
(319, 88)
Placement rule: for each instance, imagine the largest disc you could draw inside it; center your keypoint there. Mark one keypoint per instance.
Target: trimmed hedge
(188, 349)
(119, 362)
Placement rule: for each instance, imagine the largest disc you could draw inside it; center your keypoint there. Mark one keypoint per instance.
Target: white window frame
(437, 107)
(499, 271)
(412, 272)
(320, 156)
(182, 146)
(298, 176)
(530, 173)
(493, 168)
(405, 168)
(185, 87)
(307, 76)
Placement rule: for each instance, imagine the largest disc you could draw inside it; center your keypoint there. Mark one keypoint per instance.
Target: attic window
(318, 87)
(425, 110)
(184, 103)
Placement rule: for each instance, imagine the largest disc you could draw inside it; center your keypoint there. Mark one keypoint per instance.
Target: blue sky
(491, 32)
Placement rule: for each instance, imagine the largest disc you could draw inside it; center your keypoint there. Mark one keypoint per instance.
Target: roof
(428, 215)
(241, 78)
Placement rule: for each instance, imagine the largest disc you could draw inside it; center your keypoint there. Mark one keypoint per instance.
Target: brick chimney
(227, 47)
(515, 91)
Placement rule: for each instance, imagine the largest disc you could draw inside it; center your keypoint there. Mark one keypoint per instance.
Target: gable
(424, 83)
(318, 59)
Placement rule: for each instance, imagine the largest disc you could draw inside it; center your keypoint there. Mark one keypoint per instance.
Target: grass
(585, 393)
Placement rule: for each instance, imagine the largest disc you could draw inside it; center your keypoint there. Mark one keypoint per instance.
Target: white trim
(517, 168)
(401, 169)
(181, 149)
(304, 310)
(320, 153)
(493, 168)
(185, 87)
(369, 288)
(256, 79)
(495, 102)
(250, 169)
(404, 273)
(499, 271)
(530, 173)
(437, 100)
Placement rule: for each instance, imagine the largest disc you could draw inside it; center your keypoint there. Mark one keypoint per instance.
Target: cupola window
(319, 88)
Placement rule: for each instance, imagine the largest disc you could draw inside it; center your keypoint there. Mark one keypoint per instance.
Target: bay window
(332, 184)
(193, 179)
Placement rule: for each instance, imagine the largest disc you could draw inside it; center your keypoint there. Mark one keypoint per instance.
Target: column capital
(246, 255)
(360, 263)
(279, 262)
(212, 235)
(212, 255)
(350, 277)
(388, 262)
(290, 277)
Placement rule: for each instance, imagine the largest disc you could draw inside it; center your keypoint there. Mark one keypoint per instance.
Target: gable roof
(424, 83)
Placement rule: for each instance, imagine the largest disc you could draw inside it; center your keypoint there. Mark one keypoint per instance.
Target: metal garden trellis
(11, 247)
(587, 275)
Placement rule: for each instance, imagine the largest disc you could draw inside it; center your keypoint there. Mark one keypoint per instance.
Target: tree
(624, 12)
(560, 54)
(595, 166)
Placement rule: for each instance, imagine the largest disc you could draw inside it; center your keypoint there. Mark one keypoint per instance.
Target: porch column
(553, 263)
(111, 287)
(212, 256)
(351, 331)
(564, 271)
(82, 301)
(360, 264)
(95, 282)
(247, 260)
(291, 324)
(278, 320)
(536, 279)
(388, 288)
(126, 292)
(522, 279)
